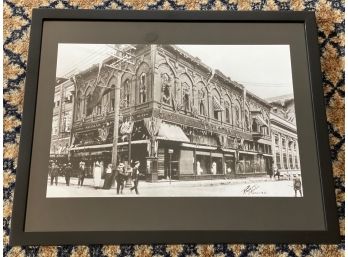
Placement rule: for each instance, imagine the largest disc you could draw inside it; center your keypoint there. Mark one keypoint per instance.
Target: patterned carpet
(330, 18)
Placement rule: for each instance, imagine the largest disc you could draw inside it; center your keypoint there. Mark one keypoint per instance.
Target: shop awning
(268, 155)
(216, 105)
(90, 147)
(261, 121)
(172, 133)
(251, 153)
(206, 147)
(228, 150)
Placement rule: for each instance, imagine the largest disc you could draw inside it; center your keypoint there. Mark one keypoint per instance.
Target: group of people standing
(121, 175)
(56, 169)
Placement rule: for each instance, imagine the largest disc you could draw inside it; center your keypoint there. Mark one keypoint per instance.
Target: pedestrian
(54, 173)
(108, 177)
(271, 172)
(68, 173)
(297, 185)
(135, 177)
(276, 172)
(82, 173)
(97, 174)
(120, 178)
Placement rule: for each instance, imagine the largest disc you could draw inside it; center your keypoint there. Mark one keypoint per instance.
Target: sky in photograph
(264, 70)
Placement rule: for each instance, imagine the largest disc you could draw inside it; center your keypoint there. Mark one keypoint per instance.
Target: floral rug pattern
(330, 19)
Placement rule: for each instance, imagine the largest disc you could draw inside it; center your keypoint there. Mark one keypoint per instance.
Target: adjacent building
(284, 134)
(62, 119)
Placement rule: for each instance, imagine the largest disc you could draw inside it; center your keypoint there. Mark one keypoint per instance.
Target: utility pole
(123, 57)
(116, 120)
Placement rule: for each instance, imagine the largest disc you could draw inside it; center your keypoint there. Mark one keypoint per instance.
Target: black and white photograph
(141, 120)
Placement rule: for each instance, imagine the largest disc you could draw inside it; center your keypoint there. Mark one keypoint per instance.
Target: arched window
(165, 88)
(79, 106)
(125, 93)
(246, 121)
(112, 98)
(227, 112)
(236, 115)
(255, 126)
(143, 88)
(202, 101)
(89, 108)
(186, 97)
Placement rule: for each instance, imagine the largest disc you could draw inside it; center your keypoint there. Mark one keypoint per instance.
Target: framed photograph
(173, 127)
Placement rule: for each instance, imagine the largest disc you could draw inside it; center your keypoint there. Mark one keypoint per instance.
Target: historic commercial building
(284, 134)
(192, 121)
(62, 119)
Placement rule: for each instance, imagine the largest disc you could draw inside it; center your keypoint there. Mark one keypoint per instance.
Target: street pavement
(246, 187)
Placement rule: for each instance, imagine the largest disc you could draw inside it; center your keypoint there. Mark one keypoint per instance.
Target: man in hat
(68, 173)
(120, 178)
(82, 173)
(54, 170)
(297, 185)
(135, 177)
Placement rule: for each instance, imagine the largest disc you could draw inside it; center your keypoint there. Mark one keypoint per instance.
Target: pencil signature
(252, 190)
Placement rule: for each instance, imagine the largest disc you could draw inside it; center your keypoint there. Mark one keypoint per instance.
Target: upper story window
(55, 126)
(125, 93)
(201, 95)
(227, 114)
(56, 103)
(67, 121)
(143, 88)
(165, 88)
(217, 108)
(186, 97)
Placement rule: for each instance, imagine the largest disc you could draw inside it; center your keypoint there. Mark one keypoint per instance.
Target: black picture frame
(21, 237)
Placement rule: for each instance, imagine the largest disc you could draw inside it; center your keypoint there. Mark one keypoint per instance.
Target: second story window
(227, 112)
(125, 93)
(201, 95)
(186, 97)
(142, 88)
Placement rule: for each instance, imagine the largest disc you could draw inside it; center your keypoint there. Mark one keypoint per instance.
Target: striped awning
(216, 105)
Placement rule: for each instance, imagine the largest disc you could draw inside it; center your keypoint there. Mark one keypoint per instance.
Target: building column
(287, 151)
(281, 150)
(209, 107)
(298, 155)
(274, 150)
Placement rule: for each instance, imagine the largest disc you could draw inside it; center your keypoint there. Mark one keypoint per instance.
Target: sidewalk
(176, 183)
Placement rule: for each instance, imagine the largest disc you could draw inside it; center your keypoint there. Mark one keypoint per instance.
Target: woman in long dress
(108, 177)
(97, 174)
